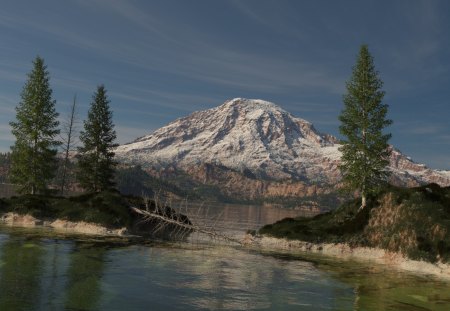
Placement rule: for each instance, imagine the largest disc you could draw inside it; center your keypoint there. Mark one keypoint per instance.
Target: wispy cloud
(216, 64)
(128, 134)
(11, 75)
(212, 64)
(159, 64)
(424, 129)
(134, 15)
(328, 122)
(159, 99)
(5, 136)
(280, 19)
(252, 14)
(415, 54)
(315, 107)
(8, 103)
(76, 84)
(441, 139)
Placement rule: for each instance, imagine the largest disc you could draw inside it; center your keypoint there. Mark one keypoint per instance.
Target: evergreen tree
(34, 152)
(96, 165)
(5, 164)
(365, 151)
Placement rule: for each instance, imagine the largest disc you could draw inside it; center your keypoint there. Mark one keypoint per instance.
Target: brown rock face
(236, 184)
(407, 173)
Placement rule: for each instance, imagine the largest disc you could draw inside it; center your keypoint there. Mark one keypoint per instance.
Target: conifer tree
(365, 151)
(33, 161)
(96, 165)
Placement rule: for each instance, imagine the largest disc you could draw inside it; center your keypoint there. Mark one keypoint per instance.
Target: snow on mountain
(257, 136)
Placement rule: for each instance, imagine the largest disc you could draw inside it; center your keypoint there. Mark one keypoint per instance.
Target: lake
(40, 270)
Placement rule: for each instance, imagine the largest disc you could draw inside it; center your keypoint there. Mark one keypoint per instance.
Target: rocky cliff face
(405, 172)
(235, 184)
(253, 148)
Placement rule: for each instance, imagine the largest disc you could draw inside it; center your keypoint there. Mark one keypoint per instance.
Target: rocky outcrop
(405, 172)
(237, 184)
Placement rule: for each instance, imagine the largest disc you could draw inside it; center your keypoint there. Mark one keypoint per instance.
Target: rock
(21, 220)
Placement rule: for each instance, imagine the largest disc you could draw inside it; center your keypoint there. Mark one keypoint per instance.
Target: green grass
(105, 208)
(415, 222)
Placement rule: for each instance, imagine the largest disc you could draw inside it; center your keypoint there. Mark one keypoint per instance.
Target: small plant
(414, 222)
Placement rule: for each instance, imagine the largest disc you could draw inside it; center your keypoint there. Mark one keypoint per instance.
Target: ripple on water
(44, 273)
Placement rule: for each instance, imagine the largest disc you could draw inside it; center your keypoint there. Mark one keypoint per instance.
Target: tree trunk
(69, 143)
(363, 201)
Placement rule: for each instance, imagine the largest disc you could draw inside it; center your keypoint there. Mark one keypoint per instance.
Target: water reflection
(43, 273)
(384, 289)
(239, 218)
(380, 287)
(20, 274)
(53, 278)
(40, 273)
(220, 278)
(85, 271)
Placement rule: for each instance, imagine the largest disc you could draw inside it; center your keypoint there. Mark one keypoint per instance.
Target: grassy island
(414, 222)
(108, 209)
(105, 208)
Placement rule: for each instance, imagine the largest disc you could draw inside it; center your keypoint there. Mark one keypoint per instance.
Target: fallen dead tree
(165, 219)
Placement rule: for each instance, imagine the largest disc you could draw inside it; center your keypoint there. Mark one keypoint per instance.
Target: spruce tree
(365, 150)
(33, 158)
(96, 165)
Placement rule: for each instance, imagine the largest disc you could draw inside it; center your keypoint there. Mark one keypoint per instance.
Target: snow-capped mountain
(261, 140)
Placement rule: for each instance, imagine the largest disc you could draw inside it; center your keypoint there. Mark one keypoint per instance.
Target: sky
(161, 60)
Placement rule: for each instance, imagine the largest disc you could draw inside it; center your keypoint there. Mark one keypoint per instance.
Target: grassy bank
(105, 208)
(414, 222)
(109, 209)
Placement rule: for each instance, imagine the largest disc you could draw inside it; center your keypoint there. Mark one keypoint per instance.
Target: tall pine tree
(365, 151)
(33, 162)
(96, 165)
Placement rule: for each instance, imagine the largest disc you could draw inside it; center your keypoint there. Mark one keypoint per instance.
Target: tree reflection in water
(20, 274)
(84, 277)
(49, 273)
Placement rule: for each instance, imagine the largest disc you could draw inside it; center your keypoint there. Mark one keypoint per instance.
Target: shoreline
(261, 243)
(61, 225)
(346, 252)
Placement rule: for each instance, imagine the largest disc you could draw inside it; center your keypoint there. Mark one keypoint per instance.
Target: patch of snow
(256, 135)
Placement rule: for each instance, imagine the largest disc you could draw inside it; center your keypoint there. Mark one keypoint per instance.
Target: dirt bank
(81, 227)
(344, 251)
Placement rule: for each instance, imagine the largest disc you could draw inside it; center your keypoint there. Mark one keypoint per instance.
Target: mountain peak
(255, 136)
(251, 134)
(251, 103)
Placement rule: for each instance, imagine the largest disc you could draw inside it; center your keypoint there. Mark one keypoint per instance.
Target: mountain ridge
(261, 141)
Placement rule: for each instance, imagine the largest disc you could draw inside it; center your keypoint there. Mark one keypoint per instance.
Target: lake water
(40, 270)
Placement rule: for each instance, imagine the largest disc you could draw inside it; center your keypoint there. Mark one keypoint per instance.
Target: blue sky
(160, 60)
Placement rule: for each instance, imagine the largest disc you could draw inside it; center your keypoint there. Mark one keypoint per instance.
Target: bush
(415, 222)
(106, 208)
